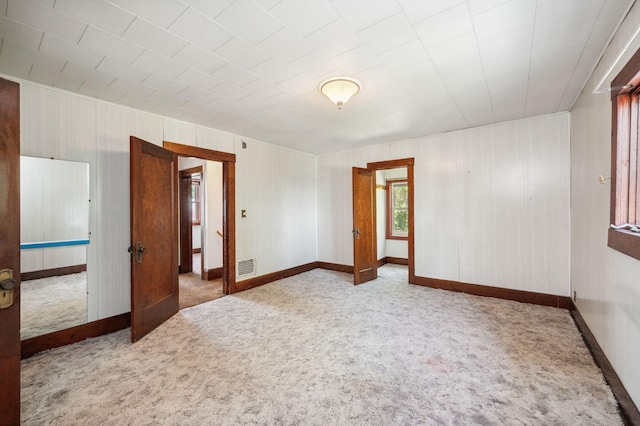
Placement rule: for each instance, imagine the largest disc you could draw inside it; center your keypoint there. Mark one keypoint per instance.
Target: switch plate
(243, 213)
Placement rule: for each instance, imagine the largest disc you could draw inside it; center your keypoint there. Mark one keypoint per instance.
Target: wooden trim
(274, 276)
(391, 164)
(628, 75)
(75, 334)
(212, 274)
(197, 250)
(194, 151)
(389, 208)
(628, 410)
(335, 267)
(381, 262)
(185, 237)
(497, 292)
(53, 272)
(625, 242)
(229, 206)
(192, 170)
(396, 260)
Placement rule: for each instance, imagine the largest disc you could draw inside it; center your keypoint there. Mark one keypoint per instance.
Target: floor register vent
(246, 267)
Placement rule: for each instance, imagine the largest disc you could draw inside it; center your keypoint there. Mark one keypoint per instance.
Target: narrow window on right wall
(624, 232)
(397, 209)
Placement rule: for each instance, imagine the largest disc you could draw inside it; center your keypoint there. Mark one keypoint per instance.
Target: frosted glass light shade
(339, 90)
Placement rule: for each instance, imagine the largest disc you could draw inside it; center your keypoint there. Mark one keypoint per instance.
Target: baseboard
(274, 276)
(196, 250)
(75, 334)
(396, 260)
(497, 292)
(628, 410)
(335, 267)
(54, 272)
(212, 274)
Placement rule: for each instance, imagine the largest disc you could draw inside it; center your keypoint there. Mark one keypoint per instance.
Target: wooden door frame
(409, 164)
(182, 237)
(185, 237)
(228, 202)
(10, 249)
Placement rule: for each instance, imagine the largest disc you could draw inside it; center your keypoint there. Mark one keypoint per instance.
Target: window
(195, 202)
(397, 209)
(625, 170)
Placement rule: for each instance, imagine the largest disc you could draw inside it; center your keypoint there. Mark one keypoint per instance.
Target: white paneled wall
(606, 282)
(276, 186)
(491, 204)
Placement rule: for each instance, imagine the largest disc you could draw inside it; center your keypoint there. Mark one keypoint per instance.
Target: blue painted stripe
(47, 244)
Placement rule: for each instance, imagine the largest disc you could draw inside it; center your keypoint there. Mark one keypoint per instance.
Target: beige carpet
(194, 290)
(52, 304)
(314, 349)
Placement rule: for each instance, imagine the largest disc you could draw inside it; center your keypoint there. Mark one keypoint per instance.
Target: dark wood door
(154, 236)
(186, 232)
(364, 226)
(10, 250)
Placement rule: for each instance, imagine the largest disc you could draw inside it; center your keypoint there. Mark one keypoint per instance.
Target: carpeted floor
(314, 349)
(52, 304)
(194, 290)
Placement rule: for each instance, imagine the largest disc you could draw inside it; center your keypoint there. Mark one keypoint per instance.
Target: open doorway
(200, 219)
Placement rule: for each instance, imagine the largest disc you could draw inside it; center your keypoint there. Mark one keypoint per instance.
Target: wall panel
(605, 281)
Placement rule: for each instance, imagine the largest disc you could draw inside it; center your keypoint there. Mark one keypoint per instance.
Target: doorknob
(138, 250)
(356, 233)
(7, 285)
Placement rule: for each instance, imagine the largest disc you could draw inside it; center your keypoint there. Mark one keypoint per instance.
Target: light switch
(243, 213)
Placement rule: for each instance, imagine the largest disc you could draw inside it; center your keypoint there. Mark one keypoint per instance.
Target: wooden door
(186, 231)
(364, 226)
(154, 236)
(10, 250)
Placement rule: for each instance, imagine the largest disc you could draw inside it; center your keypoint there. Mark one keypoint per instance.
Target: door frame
(409, 164)
(10, 248)
(228, 202)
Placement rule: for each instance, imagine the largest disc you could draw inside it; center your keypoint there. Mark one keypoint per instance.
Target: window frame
(390, 208)
(625, 169)
(196, 202)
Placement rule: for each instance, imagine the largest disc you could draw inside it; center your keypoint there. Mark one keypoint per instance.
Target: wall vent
(246, 267)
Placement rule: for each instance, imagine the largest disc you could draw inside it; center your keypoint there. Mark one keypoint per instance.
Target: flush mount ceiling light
(339, 90)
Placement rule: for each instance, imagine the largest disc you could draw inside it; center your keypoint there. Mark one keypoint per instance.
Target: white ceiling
(252, 67)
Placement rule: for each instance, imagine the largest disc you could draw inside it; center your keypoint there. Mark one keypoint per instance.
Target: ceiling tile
(208, 7)
(263, 89)
(197, 95)
(167, 98)
(198, 79)
(505, 18)
(13, 67)
(445, 26)
(285, 45)
(404, 56)
(83, 73)
(267, 4)
(159, 64)
(122, 70)
(334, 39)
(360, 14)
(45, 62)
(162, 84)
(249, 21)
(110, 45)
(54, 79)
(153, 38)
(298, 85)
(313, 65)
(95, 90)
(61, 48)
(241, 53)
(304, 16)
(235, 74)
(20, 34)
(420, 10)
(479, 6)
(159, 12)
(138, 102)
(357, 60)
(273, 71)
(198, 58)
(98, 13)
(230, 91)
(129, 87)
(388, 33)
(454, 50)
(201, 30)
(37, 15)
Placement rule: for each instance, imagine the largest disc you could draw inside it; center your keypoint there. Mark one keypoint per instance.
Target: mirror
(54, 234)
